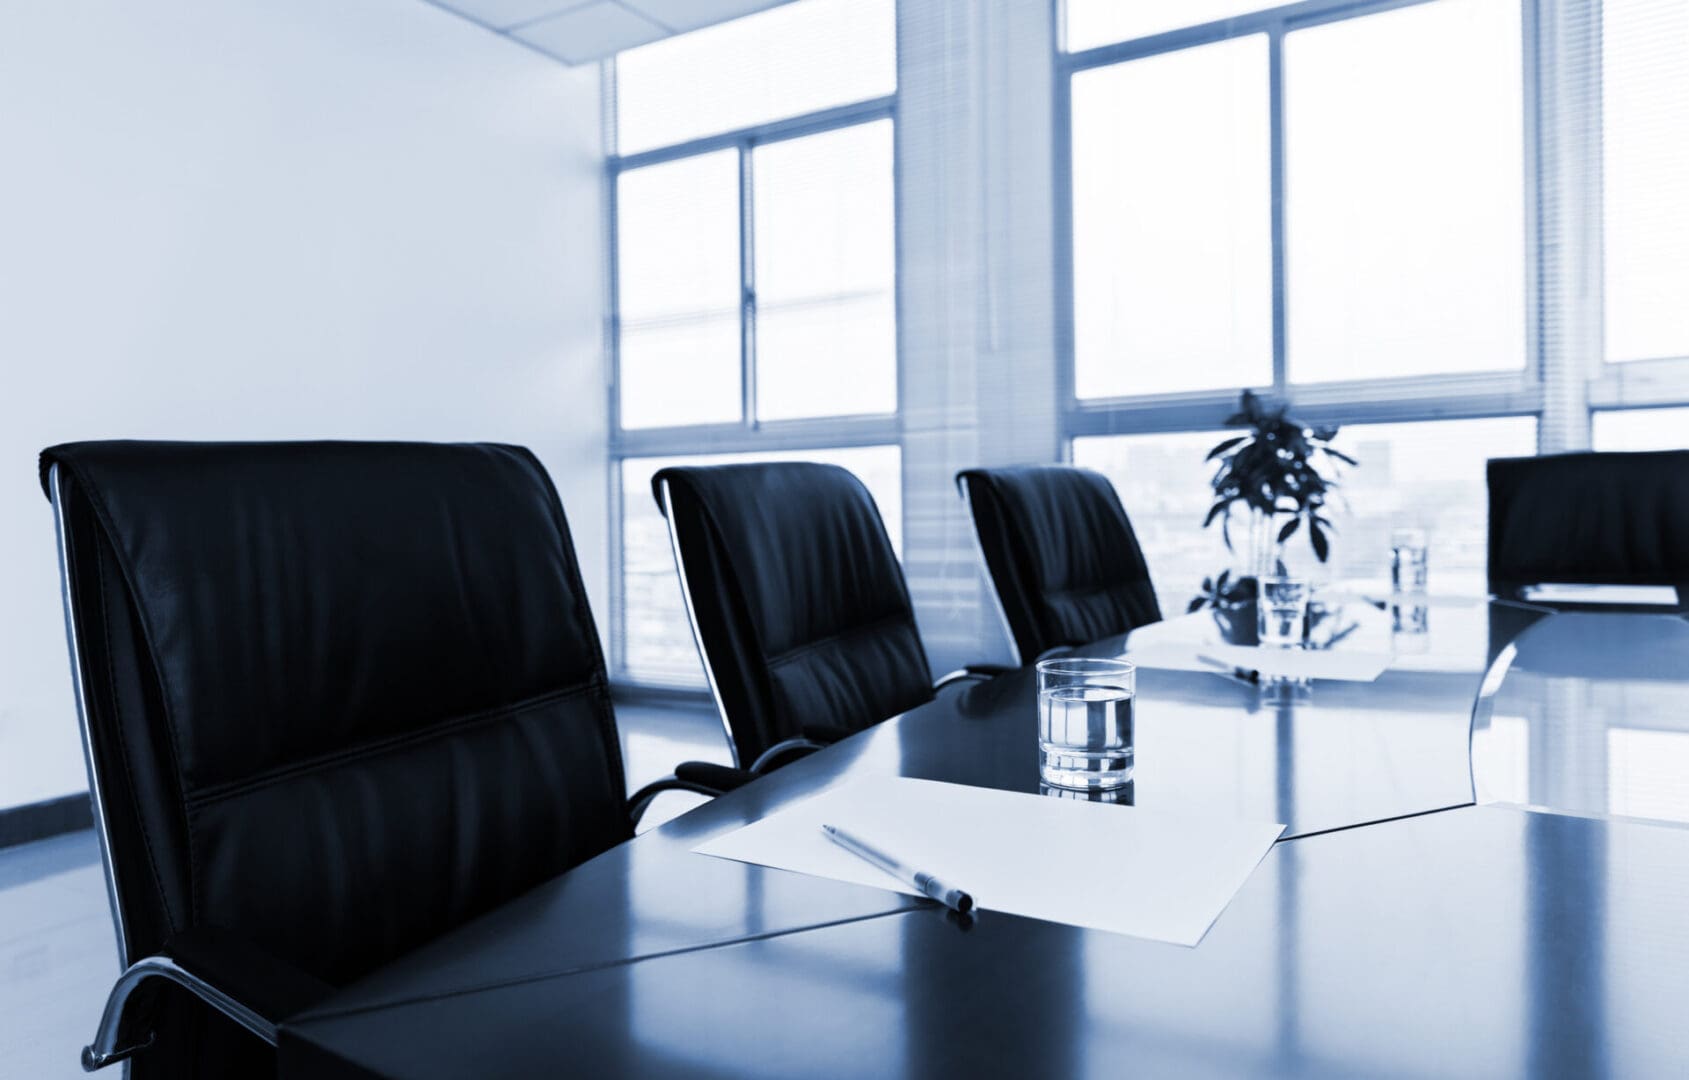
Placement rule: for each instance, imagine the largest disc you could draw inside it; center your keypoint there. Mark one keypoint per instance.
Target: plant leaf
(1289, 529)
(1196, 604)
(1223, 447)
(1322, 546)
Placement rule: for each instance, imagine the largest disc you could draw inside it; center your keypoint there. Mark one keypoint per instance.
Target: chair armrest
(972, 673)
(243, 982)
(723, 778)
(787, 749)
(641, 799)
(826, 734)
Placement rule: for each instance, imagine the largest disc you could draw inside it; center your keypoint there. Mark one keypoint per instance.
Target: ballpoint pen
(948, 895)
(1242, 675)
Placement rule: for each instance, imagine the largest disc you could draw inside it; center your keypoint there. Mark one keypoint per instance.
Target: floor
(57, 953)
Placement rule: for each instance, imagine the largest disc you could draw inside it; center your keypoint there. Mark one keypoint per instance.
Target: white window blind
(1645, 177)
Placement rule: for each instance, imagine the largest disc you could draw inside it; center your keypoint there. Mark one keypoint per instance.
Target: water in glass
(1283, 606)
(1409, 561)
(1085, 736)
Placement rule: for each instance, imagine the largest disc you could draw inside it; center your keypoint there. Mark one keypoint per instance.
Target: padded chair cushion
(801, 605)
(1065, 562)
(345, 695)
(1598, 518)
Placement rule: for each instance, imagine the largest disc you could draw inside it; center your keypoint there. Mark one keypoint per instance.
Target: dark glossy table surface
(1397, 930)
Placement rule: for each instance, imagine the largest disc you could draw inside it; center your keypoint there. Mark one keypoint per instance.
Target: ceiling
(581, 31)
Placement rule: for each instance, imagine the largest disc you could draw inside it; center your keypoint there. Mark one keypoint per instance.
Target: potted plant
(1273, 471)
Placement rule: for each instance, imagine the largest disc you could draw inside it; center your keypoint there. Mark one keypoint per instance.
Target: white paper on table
(1171, 644)
(1558, 593)
(1096, 865)
(1456, 592)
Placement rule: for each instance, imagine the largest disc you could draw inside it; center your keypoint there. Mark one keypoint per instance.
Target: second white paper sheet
(1104, 867)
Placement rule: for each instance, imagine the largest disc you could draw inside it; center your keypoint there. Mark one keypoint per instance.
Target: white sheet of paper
(1554, 593)
(1176, 644)
(1095, 865)
(1447, 591)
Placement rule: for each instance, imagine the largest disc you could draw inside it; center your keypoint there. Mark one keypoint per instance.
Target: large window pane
(657, 641)
(1645, 175)
(1090, 23)
(1642, 429)
(794, 59)
(1172, 266)
(1405, 248)
(1420, 475)
(1163, 483)
(1427, 475)
(826, 325)
(677, 273)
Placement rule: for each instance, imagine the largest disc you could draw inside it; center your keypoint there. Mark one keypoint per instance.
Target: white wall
(253, 219)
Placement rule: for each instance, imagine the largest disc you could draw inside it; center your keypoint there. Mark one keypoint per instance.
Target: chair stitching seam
(797, 651)
(402, 740)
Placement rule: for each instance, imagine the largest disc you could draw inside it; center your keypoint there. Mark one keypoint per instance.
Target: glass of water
(1409, 561)
(1085, 722)
(1283, 612)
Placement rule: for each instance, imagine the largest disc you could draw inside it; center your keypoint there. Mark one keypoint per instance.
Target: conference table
(1484, 872)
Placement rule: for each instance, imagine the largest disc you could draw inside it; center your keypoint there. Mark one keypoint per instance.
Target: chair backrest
(1061, 553)
(1597, 518)
(337, 697)
(797, 600)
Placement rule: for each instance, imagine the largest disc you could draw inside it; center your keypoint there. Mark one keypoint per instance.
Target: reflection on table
(1586, 713)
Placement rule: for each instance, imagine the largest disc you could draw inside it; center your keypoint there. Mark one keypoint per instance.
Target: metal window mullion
(1275, 153)
(612, 344)
(747, 292)
(796, 127)
(1295, 16)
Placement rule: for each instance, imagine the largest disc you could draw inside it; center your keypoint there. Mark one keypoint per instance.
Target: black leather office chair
(798, 605)
(1061, 555)
(1590, 518)
(336, 698)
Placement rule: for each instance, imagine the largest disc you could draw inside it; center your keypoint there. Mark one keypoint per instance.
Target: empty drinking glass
(1409, 561)
(1085, 722)
(1283, 612)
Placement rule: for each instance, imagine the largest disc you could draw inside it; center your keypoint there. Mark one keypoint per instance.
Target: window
(1405, 220)
(826, 307)
(678, 294)
(1098, 22)
(1642, 429)
(787, 61)
(1162, 481)
(755, 278)
(1327, 200)
(1422, 475)
(1172, 263)
(1644, 174)
(658, 637)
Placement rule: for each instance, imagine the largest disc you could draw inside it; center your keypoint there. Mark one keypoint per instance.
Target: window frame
(748, 434)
